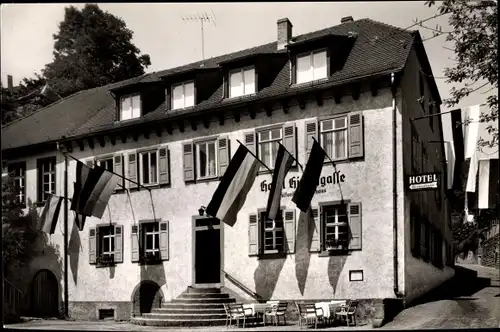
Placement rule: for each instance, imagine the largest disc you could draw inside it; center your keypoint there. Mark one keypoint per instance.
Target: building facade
(174, 132)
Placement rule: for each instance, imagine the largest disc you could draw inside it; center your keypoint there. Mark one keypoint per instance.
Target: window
(183, 95)
(335, 227)
(17, 171)
(334, 137)
(46, 178)
(107, 241)
(106, 163)
(149, 167)
(130, 107)
(268, 143)
(272, 233)
(312, 66)
(106, 245)
(241, 82)
(206, 159)
(150, 241)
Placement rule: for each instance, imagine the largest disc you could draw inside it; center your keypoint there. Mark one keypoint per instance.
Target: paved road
(475, 307)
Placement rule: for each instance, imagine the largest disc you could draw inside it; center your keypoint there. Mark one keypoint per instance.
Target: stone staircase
(194, 307)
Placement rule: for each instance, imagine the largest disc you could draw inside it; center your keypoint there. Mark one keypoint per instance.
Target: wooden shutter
(311, 131)
(118, 169)
(188, 163)
(250, 141)
(164, 165)
(289, 140)
(223, 146)
(134, 243)
(92, 245)
(315, 242)
(253, 236)
(164, 240)
(355, 135)
(118, 243)
(132, 169)
(168, 99)
(355, 226)
(289, 227)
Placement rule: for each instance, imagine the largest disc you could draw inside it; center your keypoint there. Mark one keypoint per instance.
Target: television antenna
(204, 17)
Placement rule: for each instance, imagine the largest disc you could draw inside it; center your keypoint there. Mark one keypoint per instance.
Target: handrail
(20, 291)
(243, 287)
(13, 296)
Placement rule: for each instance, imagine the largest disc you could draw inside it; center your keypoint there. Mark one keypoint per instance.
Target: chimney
(284, 32)
(10, 86)
(346, 19)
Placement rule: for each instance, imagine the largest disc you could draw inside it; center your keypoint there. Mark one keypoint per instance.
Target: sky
(160, 31)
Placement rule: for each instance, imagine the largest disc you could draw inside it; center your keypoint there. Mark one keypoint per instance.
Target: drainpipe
(394, 186)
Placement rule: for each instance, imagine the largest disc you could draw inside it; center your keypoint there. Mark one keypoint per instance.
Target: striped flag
(488, 184)
(310, 178)
(50, 214)
(82, 176)
(284, 161)
(80, 221)
(97, 191)
(232, 191)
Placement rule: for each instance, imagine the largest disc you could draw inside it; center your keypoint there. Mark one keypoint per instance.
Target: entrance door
(207, 251)
(44, 295)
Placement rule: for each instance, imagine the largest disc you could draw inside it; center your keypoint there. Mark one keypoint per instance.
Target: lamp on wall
(201, 211)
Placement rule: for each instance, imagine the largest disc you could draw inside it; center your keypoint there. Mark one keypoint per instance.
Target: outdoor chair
(237, 312)
(278, 310)
(347, 312)
(309, 313)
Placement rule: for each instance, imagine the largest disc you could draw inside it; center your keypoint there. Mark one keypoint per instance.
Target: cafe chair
(347, 312)
(275, 312)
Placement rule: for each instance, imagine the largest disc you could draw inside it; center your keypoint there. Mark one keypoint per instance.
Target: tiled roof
(378, 48)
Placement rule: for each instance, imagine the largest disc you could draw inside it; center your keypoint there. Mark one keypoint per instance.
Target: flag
(310, 179)
(284, 161)
(82, 176)
(80, 221)
(97, 191)
(488, 186)
(232, 191)
(50, 214)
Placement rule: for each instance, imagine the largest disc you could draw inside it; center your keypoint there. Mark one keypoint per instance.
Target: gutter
(394, 186)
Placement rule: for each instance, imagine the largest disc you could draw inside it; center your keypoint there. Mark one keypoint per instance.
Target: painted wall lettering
(293, 182)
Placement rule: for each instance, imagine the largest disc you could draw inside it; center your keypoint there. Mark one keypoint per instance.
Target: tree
(91, 49)
(475, 36)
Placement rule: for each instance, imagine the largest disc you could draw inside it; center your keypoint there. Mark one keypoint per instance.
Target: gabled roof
(378, 48)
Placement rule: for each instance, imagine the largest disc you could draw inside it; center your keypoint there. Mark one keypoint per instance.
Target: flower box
(150, 258)
(106, 260)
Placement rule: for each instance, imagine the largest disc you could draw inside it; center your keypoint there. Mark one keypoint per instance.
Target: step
(215, 310)
(177, 322)
(203, 295)
(204, 300)
(202, 290)
(191, 315)
(192, 306)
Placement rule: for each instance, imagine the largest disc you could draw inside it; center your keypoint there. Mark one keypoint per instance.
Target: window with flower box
(150, 241)
(106, 245)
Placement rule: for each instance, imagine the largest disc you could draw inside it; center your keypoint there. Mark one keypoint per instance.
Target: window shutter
(223, 146)
(355, 226)
(253, 236)
(118, 169)
(168, 99)
(289, 225)
(289, 140)
(315, 242)
(134, 243)
(118, 243)
(355, 135)
(164, 240)
(164, 165)
(92, 245)
(132, 169)
(250, 140)
(188, 163)
(311, 131)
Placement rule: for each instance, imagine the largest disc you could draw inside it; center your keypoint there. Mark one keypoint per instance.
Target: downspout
(394, 186)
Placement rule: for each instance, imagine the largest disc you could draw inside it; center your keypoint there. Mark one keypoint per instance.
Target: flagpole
(254, 155)
(302, 168)
(121, 176)
(66, 293)
(334, 166)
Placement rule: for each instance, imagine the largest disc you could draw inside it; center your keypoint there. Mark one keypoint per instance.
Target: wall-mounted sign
(293, 182)
(428, 181)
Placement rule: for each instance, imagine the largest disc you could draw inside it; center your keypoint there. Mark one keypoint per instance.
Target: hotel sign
(418, 182)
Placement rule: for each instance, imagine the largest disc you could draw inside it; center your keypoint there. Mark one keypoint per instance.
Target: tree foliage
(91, 49)
(475, 37)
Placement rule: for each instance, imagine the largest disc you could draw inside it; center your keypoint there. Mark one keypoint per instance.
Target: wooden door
(44, 295)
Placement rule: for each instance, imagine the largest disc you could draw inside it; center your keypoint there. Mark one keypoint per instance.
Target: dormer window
(183, 95)
(130, 107)
(312, 66)
(241, 82)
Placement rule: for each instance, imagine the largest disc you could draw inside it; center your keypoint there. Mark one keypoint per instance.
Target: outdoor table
(329, 307)
(257, 308)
